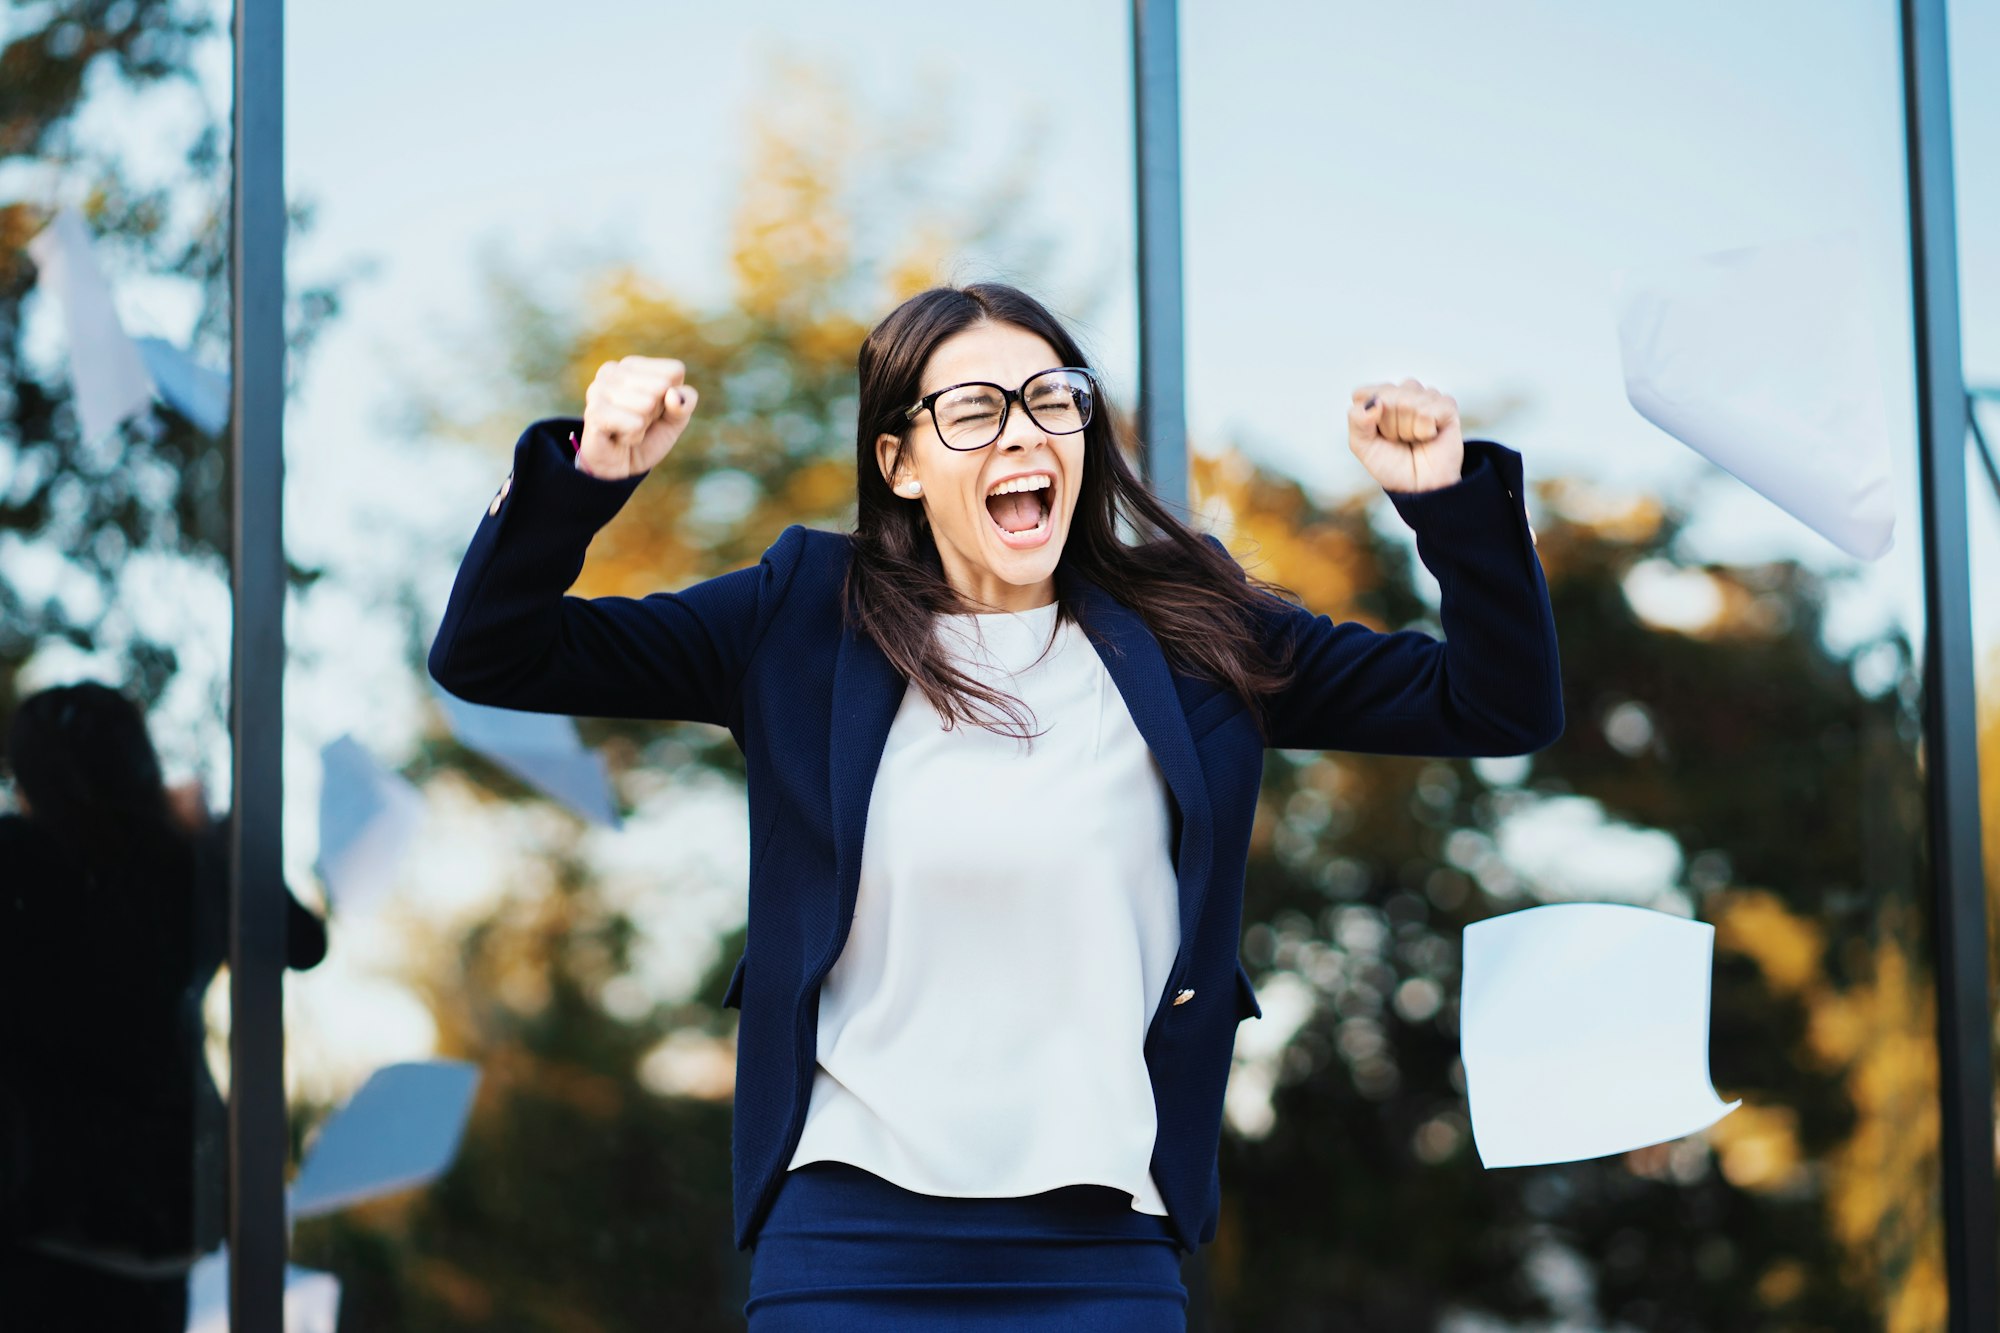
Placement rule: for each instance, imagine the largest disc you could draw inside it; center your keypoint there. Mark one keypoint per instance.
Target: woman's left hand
(187, 802)
(1407, 436)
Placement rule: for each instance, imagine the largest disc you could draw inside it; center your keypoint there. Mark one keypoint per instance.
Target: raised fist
(633, 413)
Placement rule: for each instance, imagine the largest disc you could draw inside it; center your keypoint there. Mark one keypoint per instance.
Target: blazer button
(505, 486)
(1184, 997)
(1533, 540)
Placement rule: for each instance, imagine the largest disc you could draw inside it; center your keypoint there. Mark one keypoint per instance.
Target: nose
(1022, 433)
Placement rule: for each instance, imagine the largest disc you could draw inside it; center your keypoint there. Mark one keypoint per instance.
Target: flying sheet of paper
(107, 372)
(541, 749)
(367, 818)
(400, 1129)
(1760, 359)
(1584, 1032)
(196, 392)
(311, 1301)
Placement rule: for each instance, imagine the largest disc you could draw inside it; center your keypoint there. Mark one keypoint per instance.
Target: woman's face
(985, 561)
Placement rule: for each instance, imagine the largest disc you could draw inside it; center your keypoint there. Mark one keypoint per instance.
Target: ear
(887, 447)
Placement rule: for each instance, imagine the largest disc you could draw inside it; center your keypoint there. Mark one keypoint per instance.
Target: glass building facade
(421, 1009)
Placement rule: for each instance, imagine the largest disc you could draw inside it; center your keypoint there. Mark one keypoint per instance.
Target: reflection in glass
(1742, 696)
(114, 901)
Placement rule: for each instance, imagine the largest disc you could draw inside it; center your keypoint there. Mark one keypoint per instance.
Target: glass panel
(501, 223)
(1450, 202)
(1975, 111)
(114, 662)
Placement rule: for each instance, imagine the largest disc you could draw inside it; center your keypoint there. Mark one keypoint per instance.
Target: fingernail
(1370, 403)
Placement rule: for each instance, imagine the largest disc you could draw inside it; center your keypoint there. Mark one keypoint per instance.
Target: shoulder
(805, 570)
(817, 543)
(800, 543)
(803, 554)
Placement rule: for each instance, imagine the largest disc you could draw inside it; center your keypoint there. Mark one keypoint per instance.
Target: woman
(114, 898)
(1002, 769)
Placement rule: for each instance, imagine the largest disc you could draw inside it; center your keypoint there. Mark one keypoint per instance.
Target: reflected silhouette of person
(114, 917)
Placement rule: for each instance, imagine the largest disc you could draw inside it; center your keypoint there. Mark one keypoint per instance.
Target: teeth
(1027, 532)
(1035, 531)
(1035, 483)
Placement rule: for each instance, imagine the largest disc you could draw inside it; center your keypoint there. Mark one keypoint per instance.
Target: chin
(1024, 566)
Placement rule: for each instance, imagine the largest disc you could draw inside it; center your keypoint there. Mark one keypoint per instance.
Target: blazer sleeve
(1492, 687)
(512, 637)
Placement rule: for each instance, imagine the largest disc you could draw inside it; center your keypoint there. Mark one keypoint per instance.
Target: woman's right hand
(633, 413)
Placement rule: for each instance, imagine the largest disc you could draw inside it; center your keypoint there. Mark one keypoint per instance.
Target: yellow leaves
(1623, 519)
(821, 486)
(1275, 532)
(1878, 1031)
(1988, 693)
(1757, 1147)
(928, 249)
(792, 241)
(628, 316)
(640, 551)
(829, 341)
(1781, 1284)
(1787, 948)
(19, 222)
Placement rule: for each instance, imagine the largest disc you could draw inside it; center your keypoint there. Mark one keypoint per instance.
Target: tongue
(1016, 512)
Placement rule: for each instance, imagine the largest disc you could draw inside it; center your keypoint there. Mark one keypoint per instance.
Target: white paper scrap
(542, 749)
(107, 373)
(367, 819)
(311, 1301)
(196, 392)
(400, 1130)
(1584, 1032)
(1760, 359)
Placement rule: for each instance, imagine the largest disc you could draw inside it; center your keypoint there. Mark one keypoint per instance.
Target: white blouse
(981, 1034)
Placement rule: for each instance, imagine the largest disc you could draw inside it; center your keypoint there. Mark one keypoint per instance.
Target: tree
(160, 488)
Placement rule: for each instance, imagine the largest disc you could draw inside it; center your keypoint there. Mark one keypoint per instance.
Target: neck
(983, 591)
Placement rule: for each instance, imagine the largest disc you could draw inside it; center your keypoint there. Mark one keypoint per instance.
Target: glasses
(974, 414)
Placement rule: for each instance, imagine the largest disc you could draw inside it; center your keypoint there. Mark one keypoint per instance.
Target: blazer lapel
(867, 691)
(1138, 668)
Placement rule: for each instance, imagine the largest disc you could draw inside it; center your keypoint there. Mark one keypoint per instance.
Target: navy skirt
(843, 1249)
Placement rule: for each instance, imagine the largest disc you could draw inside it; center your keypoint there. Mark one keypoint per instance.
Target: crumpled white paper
(1760, 359)
(1584, 1032)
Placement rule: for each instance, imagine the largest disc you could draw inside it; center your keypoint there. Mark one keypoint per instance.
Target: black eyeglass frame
(1008, 397)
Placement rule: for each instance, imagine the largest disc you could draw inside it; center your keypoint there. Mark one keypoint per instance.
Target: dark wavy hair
(81, 755)
(1201, 606)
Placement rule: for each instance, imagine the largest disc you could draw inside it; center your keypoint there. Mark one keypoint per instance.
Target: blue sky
(1430, 189)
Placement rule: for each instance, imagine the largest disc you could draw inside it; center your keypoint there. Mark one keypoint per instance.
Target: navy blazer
(763, 652)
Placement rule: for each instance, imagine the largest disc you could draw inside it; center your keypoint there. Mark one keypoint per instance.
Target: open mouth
(1020, 510)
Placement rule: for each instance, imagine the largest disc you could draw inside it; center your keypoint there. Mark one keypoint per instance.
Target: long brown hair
(1201, 606)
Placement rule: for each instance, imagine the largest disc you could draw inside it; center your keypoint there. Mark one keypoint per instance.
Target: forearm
(1491, 686)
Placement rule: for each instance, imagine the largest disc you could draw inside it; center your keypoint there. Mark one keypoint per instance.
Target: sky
(1430, 189)
(1371, 192)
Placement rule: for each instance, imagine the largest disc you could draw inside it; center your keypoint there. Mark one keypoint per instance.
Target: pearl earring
(911, 488)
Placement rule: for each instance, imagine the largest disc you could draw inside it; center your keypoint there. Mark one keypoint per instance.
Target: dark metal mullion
(1951, 758)
(1157, 144)
(257, 1136)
